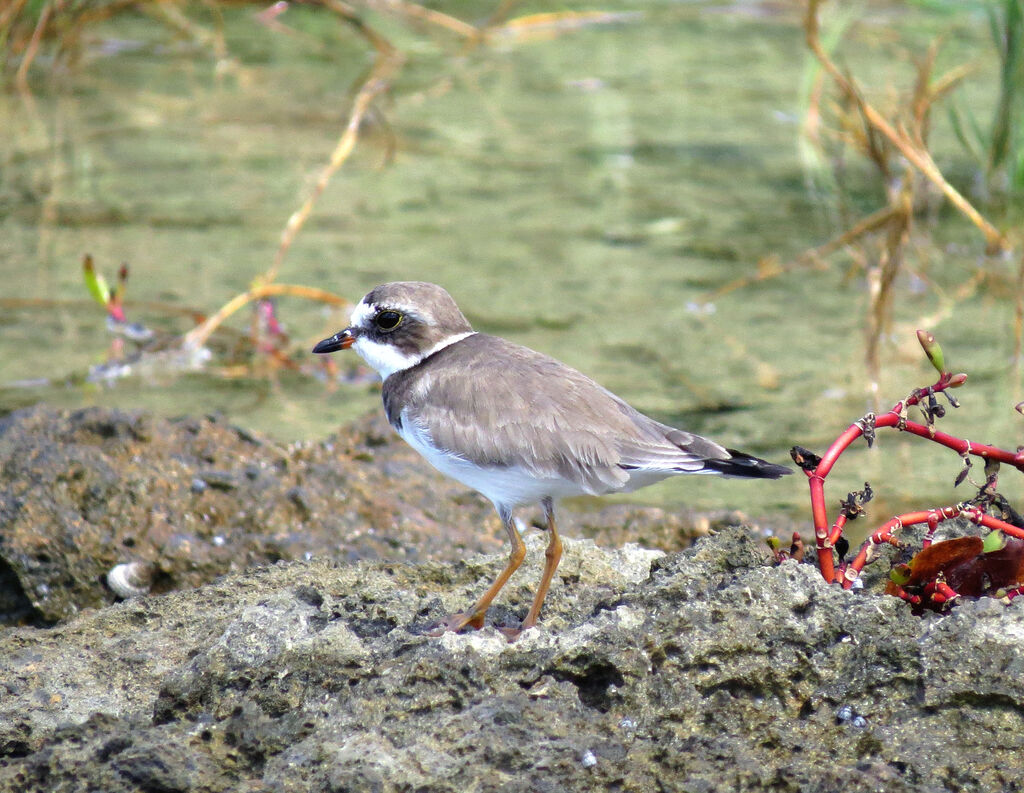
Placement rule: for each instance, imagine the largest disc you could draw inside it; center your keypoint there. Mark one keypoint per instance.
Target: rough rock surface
(82, 491)
(704, 670)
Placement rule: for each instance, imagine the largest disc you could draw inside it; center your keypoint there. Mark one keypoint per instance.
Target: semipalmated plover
(511, 423)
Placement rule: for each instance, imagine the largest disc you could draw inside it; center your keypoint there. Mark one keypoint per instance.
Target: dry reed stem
(553, 23)
(75, 19)
(198, 336)
(386, 66)
(918, 157)
(106, 11)
(1018, 320)
(882, 276)
(21, 76)
(501, 13)
(8, 15)
(172, 16)
(812, 257)
(389, 61)
(416, 11)
(945, 84)
(373, 87)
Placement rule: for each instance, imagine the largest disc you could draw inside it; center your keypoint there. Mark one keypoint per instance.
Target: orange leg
(474, 618)
(552, 556)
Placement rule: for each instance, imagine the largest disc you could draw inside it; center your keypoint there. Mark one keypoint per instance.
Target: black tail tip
(746, 466)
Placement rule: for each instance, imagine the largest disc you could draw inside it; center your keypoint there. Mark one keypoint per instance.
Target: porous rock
(83, 492)
(702, 670)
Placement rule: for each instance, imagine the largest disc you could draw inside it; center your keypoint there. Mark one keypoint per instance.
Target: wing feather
(540, 414)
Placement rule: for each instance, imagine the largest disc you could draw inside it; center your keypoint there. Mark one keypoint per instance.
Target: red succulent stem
(886, 533)
(933, 524)
(959, 445)
(837, 528)
(116, 310)
(940, 592)
(825, 538)
(1014, 593)
(913, 600)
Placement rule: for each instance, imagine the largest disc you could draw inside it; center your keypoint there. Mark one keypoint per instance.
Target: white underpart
(387, 359)
(513, 486)
(505, 486)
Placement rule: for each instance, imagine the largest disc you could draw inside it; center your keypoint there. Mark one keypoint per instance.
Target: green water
(579, 194)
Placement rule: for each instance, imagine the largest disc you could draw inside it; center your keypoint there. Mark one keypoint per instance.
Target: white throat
(387, 359)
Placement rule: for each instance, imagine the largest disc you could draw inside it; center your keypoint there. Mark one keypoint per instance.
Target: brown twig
(7, 17)
(553, 23)
(198, 335)
(385, 67)
(501, 13)
(812, 257)
(920, 158)
(418, 12)
(881, 277)
(21, 76)
(172, 16)
(1018, 320)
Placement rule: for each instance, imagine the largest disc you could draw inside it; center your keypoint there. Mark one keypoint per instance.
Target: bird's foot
(456, 623)
(514, 633)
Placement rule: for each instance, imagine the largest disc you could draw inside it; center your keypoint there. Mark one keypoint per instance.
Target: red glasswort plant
(942, 571)
(112, 299)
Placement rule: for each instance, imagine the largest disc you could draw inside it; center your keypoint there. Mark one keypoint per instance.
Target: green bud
(932, 350)
(994, 541)
(96, 284)
(900, 574)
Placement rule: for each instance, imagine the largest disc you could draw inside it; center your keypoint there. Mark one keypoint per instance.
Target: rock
(285, 645)
(84, 492)
(702, 670)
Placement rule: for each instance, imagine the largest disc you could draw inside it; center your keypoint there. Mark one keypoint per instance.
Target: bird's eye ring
(387, 321)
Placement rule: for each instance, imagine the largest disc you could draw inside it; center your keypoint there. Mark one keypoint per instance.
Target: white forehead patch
(361, 314)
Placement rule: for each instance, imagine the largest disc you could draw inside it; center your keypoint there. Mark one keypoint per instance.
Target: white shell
(131, 579)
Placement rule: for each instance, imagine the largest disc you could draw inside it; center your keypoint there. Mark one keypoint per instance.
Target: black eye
(387, 320)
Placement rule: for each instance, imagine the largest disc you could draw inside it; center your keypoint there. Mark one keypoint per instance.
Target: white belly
(505, 486)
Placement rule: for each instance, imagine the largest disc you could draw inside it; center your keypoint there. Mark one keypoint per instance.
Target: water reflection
(582, 195)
